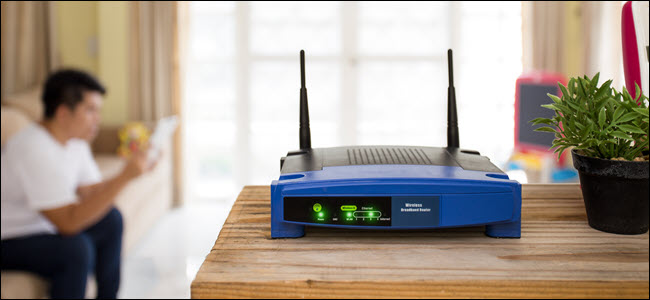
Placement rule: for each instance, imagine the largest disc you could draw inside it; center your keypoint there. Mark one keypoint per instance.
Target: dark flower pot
(615, 193)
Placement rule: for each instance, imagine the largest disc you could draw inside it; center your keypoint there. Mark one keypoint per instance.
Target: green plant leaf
(584, 133)
(594, 81)
(601, 103)
(630, 128)
(618, 113)
(622, 135)
(626, 95)
(577, 107)
(603, 91)
(642, 146)
(549, 106)
(590, 142)
(542, 121)
(627, 117)
(572, 125)
(565, 93)
(601, 117)
(642, 111)
(586, 86)
(555, 98)
(558, 107)
(561, 151)
(579, 90)
(634, 153)
(546, 129)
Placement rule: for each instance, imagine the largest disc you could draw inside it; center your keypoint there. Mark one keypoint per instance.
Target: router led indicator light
(348, 207)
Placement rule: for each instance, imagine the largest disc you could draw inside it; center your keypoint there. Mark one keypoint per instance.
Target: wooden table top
(557, 256)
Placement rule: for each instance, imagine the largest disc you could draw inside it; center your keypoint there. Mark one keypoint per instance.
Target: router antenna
(452, 118)
(305, 133)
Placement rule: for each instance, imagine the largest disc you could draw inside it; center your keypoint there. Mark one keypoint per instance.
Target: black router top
(317, 158)
(308, 159)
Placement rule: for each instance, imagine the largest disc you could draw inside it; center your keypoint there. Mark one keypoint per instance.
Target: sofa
(142, 202)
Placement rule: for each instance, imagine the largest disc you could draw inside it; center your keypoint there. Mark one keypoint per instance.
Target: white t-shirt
(39, 173)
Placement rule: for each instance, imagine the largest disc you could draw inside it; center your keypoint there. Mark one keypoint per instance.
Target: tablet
(161, 135)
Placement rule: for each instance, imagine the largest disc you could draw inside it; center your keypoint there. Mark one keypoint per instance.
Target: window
(376, 74)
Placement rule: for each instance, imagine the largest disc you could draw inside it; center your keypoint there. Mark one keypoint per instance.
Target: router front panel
(356, 211)
(405, 211)
(333, 197)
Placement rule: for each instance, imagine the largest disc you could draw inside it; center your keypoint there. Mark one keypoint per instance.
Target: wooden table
(558, 256)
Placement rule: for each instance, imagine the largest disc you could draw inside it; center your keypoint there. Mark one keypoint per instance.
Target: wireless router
(392, 187)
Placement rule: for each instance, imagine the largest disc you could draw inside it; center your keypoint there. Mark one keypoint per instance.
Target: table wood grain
(557, 256)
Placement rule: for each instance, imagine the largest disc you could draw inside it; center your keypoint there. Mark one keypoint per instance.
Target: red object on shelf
(530, 93)
(635, 45)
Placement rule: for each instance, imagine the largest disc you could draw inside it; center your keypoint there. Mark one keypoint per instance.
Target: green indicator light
(348, 207)
(371, 214)
(349, 214)
(317, 207)
(320, 214)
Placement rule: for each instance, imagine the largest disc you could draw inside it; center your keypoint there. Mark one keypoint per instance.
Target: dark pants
(67, 260)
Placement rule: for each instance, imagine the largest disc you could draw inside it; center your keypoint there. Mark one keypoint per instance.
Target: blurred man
(58, 218)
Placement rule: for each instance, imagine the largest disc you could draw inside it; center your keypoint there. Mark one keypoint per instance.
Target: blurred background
(376, 74)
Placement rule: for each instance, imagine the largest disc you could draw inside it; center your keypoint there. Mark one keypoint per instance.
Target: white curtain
(28, 45)
(154, 87)
(153, 59)
(543, 36)
(574, 38)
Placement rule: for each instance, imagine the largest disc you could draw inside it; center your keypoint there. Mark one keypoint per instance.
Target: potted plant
(608, 133)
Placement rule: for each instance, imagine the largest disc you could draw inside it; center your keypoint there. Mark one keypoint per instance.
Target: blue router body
(400, 196)
(391, 187)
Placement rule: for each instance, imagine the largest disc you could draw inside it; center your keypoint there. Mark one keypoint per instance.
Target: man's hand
(136, 166)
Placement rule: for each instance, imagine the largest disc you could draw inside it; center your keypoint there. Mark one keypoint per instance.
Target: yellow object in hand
(134, 136)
